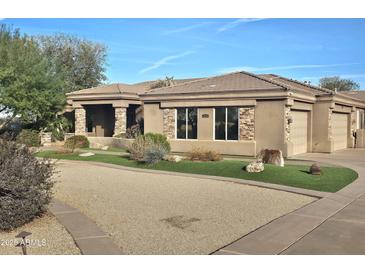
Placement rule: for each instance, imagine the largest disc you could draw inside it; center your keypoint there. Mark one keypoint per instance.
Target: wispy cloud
(237, 22)
(290, 67)
(165, 60)
(354, 76)
(187, 28)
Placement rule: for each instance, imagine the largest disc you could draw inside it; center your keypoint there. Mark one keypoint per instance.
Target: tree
(335, 83)
(30, 88)
(169, 81)
(81, 62)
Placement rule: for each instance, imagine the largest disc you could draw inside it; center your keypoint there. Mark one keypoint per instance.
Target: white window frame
(186, 124)
(225, 123)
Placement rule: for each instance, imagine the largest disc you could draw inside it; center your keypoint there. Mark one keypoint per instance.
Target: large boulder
(173, 158)
(271, 156)
(255, 167)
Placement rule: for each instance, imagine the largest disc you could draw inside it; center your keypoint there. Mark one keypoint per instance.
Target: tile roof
(109, 89)
(237, 81)
(297, 85)
(357, 94)
(119, 88)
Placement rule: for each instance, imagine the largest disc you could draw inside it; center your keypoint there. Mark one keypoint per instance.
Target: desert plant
(77, 141)
(200, 154)
(29, 138)
(158, 138)
(154, 153)
(137, 148)
(25, 185)
(133, 131)
(149, 148)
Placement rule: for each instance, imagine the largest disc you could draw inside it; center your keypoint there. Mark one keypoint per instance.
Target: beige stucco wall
(360, 138)
(153, 118)
(205, 125)
(95, 142)
(246, 148)
(322, 127)
(270, 125)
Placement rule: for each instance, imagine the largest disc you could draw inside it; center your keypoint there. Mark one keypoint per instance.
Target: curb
(89, 238)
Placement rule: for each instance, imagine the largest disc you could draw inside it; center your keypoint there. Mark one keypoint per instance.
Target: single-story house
(235, 114)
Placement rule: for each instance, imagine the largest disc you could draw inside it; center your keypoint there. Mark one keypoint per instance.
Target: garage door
(339, 130)
(299, 132)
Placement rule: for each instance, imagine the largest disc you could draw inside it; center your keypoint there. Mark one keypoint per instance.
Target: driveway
(148, 213)
(332, 225)
(344, 232)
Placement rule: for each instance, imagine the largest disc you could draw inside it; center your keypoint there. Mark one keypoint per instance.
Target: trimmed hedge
(25, 185)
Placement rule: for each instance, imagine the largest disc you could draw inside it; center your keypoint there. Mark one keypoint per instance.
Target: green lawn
(332, 179)
(111, 149)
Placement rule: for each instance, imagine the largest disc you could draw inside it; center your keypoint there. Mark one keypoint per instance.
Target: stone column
(80, 121)
(247, 123)
(169, 123)
(120, 125)
(287, 123)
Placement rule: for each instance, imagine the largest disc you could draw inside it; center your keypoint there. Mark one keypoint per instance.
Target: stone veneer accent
(287, 124)
(329, 123)
(169, 123)
(120, 125)
(80, 121)
(46, 138)
(247, 123)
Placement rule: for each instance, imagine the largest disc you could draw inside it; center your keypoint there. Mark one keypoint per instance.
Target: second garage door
(339, 130)
(299, 132)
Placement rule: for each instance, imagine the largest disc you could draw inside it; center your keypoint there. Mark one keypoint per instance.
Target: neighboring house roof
(357, 94)
(296, 85)
(237, 81)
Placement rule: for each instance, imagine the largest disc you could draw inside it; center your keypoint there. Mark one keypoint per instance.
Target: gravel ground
(48, 237)
(162, 214)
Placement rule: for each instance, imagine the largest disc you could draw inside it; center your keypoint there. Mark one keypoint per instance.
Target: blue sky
(145, 49)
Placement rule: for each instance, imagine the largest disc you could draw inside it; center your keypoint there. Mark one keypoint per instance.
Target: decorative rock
(173, 158)
(315, 169)
(255, 167)
(105, 148)
(96, 145)
(86, 154)
(271, 156)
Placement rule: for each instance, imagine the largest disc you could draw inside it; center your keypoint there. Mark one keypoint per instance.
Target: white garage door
(299, 132)
(339, 130)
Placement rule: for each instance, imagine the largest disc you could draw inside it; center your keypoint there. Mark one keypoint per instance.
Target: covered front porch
(104, 111)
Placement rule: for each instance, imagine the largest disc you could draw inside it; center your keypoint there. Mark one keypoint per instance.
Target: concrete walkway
(332, 225)
(90, 239)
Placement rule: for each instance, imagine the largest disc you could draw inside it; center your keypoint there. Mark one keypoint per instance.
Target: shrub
(200, 154)
(137, 148)
(25, 185)
(149, 148)
(29, 138)
(154, 153)
(159, 139)
(77, 141)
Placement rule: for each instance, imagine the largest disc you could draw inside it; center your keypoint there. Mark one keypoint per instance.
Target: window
(360, 119)
(226, 123)
(187, 123)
